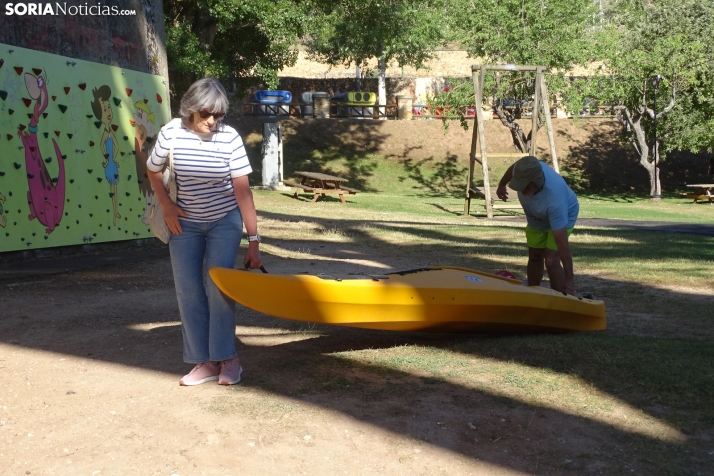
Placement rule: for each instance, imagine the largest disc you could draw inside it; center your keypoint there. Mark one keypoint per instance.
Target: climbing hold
(48, 159)
(27, 102)
(66, 89)
(9, 137)
(96, 197)
(129, 177)
(2, 62)
(111, 194)
(18, 70)
(91, 143)
(3, 95)
(46, 134)
(82, 86)
(64, 156)
(54, 98)
(99, 179)
(115, 127)
(2, 174)
(71, 180)
(22, 127)
(31, 176)
(69, 135)
(37, 71)
(10, 111)
(98, 124)
(57, 133)
(128, 91)
(117, 102)
(90, 170)
(146, 101)
(127, 194)
(158, 98)
(126, 137)
(140, 180)
(44, 114)
(122, 153)
(62, 107)
(106, 156)
(89, 116)
(17, 166)
(29, 115)
(55, 179)
(150, 139)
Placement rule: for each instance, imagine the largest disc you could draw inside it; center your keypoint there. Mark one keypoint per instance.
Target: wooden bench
(701, 192)
(320, 191)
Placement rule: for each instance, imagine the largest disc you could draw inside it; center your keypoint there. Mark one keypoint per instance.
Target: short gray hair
(205, 94)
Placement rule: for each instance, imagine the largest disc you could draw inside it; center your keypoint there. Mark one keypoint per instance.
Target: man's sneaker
(201, 373)
(230, 371)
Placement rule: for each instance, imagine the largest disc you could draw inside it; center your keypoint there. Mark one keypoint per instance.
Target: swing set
(539, 105)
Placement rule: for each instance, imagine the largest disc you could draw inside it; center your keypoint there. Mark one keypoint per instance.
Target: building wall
(72, 172)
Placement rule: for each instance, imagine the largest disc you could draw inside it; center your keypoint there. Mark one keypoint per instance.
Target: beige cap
(525, 171)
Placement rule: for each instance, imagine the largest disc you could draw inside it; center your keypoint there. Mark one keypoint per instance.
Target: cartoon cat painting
(46, 195)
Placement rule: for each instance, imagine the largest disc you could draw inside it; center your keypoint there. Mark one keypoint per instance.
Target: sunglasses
(216, 115)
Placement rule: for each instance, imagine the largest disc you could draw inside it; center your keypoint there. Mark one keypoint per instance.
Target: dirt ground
(91, 360)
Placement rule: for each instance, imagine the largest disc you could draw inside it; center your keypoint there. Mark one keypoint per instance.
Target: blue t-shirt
(554, 207)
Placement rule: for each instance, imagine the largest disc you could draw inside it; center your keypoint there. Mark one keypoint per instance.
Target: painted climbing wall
(74, 139)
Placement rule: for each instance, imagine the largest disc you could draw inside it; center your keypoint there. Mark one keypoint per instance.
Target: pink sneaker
(201, 373)
(230, 371)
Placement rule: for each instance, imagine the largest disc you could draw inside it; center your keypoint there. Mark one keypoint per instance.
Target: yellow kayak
(435, 299)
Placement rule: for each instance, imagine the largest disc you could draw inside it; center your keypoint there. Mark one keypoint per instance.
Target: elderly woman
(214, 201)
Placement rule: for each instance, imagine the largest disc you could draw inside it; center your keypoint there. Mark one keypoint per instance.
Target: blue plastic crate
(265, 96)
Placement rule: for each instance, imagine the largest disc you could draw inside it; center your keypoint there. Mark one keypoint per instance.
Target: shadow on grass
(417, 386)
(605, 166)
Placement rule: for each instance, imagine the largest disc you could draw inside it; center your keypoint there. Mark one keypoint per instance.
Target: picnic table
(320, 184)
(701, 191)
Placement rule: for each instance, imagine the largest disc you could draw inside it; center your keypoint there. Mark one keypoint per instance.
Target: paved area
(660, 226)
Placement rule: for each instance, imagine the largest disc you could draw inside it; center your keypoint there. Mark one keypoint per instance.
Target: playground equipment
(539, 104)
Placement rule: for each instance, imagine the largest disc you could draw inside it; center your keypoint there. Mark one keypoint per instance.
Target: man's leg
(535, 266)
(536, 240)
(555, 270)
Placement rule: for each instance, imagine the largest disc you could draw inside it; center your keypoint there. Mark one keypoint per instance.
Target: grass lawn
(644, 387)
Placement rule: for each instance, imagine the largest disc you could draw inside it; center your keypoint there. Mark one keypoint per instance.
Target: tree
(552, 33)
(242, 42)
(406, 31)
(661, 47)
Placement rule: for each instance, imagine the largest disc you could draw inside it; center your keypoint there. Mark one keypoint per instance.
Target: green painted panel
(74, 138)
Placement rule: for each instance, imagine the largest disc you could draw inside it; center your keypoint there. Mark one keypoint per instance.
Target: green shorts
(542, 239)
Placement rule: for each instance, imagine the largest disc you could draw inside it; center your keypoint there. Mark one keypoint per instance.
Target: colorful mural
(69, 173)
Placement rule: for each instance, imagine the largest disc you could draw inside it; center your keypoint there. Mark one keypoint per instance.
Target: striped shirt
(205, 165)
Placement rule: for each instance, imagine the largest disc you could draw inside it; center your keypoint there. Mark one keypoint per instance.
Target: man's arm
(502, 191)
(561, 241)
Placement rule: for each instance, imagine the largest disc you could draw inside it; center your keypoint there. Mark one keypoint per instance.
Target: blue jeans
(207, 315)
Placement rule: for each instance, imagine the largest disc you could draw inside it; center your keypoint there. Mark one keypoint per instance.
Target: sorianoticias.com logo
(62, 8)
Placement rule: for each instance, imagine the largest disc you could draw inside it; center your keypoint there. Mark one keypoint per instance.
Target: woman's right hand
(172, 212)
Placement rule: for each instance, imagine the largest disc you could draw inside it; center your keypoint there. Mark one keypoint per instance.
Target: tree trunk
(636, 136)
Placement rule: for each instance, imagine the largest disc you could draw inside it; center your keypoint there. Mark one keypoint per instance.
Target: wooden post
(535, 109)
(549, 124)
(478, 90)
(472, 160)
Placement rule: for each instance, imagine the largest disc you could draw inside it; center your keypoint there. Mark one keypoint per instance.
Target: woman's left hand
(252, 258)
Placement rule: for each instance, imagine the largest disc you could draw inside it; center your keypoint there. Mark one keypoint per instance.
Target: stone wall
(133, 41)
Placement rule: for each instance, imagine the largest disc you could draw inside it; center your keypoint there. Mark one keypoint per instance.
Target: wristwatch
(255, 237)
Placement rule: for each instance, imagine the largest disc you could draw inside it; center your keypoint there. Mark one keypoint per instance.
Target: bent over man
(551, 209)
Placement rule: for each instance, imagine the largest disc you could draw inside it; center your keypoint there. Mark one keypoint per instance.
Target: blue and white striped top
(205, 165)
